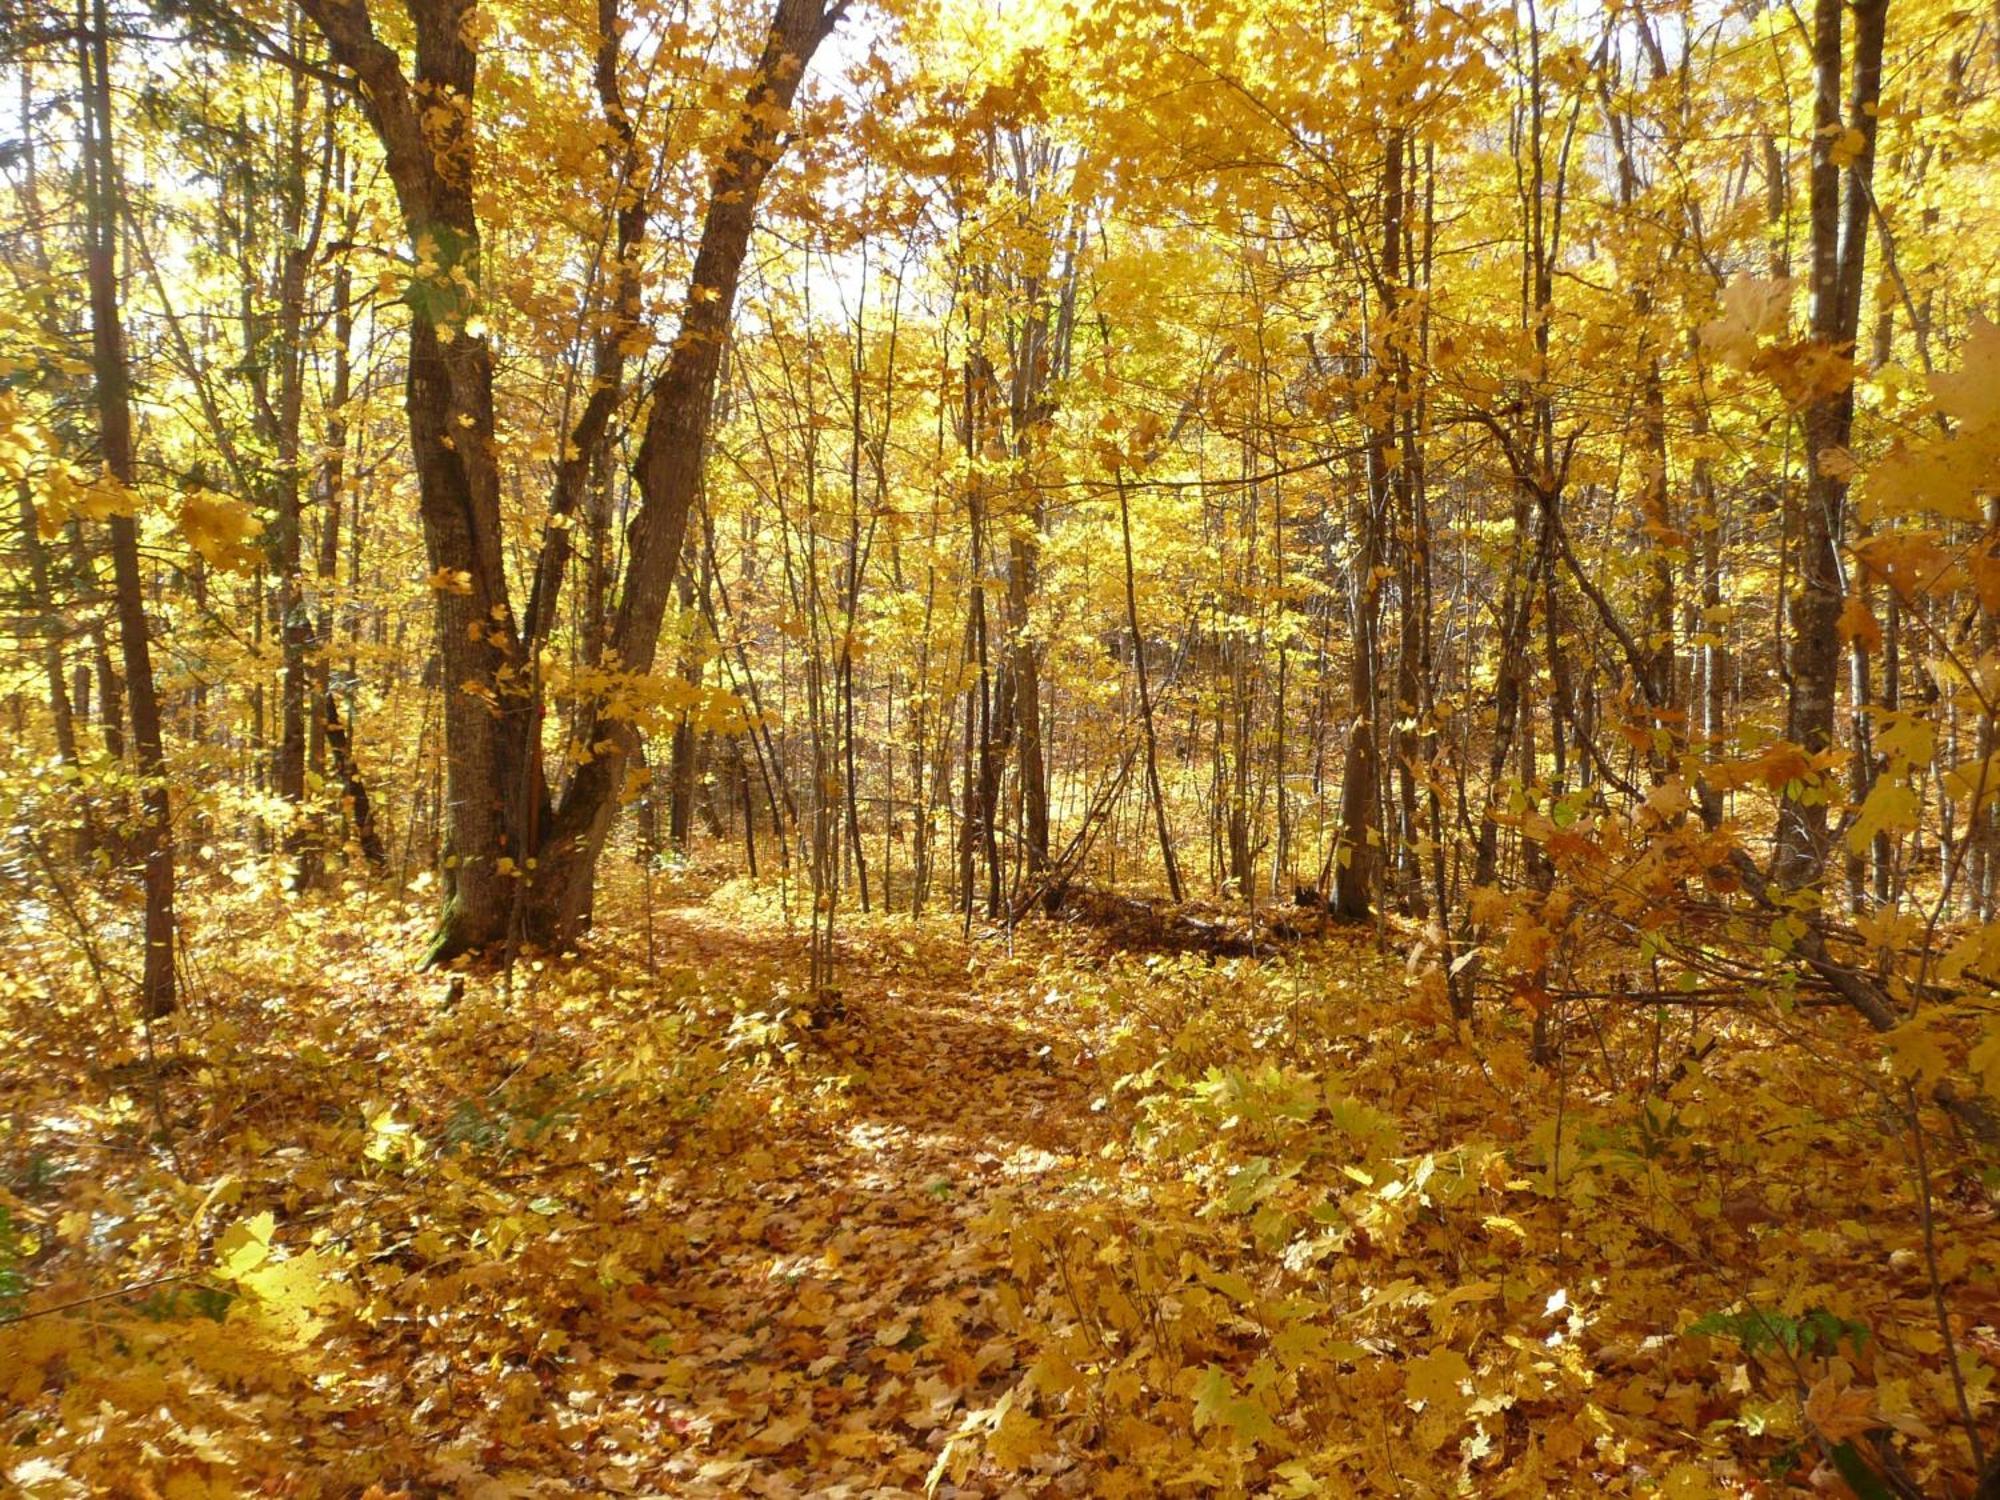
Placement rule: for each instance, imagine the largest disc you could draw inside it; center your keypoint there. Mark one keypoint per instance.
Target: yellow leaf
(1751, 307)
(1838, 1411)
(1890, 807)
(245, 1245)
(1436, 1377)
(1019, 1439)
(1985, 1059)
(221, 530)
(1687, 1481)
(1915, 1053)
(1858, 626)
(945, 1463)
(1970, 395)
(1847, 147)
(291, 1296)
(1216, 1403)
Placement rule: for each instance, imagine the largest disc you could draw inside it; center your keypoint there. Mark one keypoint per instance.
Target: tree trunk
(114, 416)
(292, 623)
(41, 594)
(670, 463)
(489, 717)
(354, 791)
(1355, 879)
(1839, 247)
(1146, 705)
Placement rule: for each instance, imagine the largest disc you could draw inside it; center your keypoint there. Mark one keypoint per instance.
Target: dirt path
(840, 1298)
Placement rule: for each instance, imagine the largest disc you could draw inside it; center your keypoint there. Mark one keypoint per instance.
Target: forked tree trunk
(498, 813)
(670, 463)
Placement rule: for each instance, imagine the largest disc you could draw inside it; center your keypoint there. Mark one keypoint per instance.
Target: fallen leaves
(1268, 1231)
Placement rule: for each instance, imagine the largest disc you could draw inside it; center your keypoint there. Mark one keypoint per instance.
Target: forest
(1000, 747)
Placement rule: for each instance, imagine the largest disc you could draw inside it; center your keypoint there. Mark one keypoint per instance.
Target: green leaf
(1860, 1478)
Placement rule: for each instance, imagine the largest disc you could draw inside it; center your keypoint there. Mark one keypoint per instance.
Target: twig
(116, 1292)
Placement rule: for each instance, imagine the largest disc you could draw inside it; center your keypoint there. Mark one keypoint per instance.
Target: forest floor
(1071, 1210)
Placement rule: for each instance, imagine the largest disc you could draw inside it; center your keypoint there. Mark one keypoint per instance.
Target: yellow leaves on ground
(292, 1299)
(1264, 1231)
(285, 1296)
(1838, 1411)
(1018, 1439)
(1436, 1378)
(1218, 1404)
(1688, 1481)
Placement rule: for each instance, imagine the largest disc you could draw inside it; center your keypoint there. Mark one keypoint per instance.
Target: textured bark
(448, 398)
(114, 415)
(1356, 878)
(1839, 247)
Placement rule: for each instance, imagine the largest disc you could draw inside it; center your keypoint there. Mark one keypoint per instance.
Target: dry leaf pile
(1013, 1216)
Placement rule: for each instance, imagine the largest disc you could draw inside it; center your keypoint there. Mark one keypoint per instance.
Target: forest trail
(1087, 1212)
(840, 1298)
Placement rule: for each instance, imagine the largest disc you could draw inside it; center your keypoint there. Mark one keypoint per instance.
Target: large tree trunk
(488, 712)
(484, 733)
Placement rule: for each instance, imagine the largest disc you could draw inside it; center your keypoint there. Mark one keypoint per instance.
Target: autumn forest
(999, 747)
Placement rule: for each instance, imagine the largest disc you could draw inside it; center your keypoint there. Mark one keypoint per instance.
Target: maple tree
(1297, 705)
